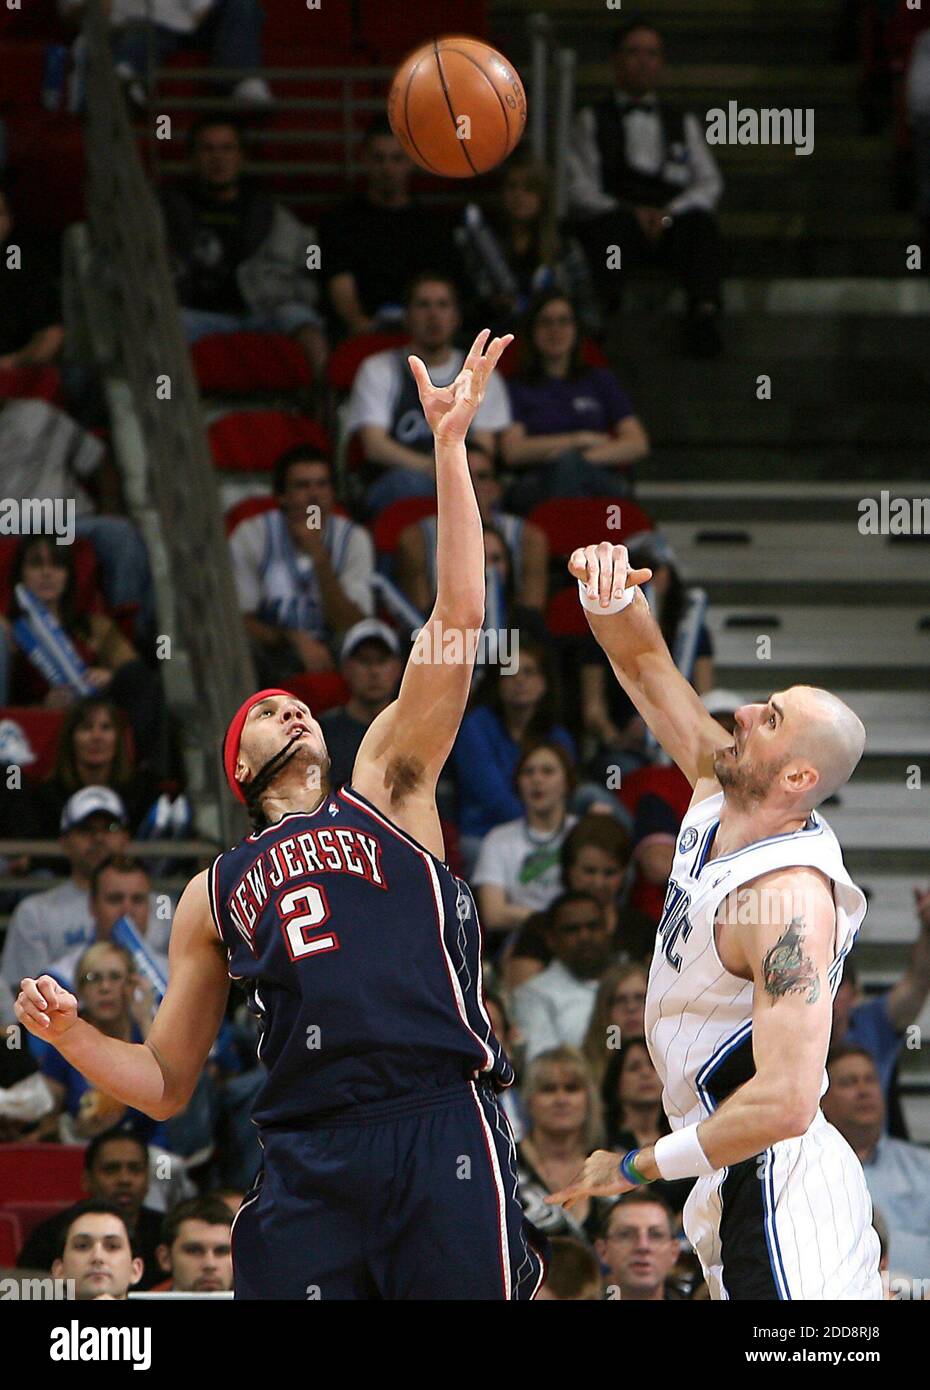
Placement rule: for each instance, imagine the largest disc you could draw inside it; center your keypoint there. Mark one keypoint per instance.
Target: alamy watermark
(768, 126)
(885, 515)
(39, 516)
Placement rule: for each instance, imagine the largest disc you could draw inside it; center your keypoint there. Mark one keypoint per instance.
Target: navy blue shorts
(416, 1199)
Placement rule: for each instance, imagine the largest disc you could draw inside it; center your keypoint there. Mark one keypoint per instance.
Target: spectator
(31, 331)
(518, 870)
(607, 710)
(880, 1023)
(371, 667)
(112, 665)
(595, 855)
(92, 751)
(300, 585)
(643, 181)
(239, 258)
(897, 1172)
(573, 1274)
(196, 1251)
(119, 886)
(574, 433)
(518, 251)
(111, 1000)
(25, 1098)
(639, 1246)
(46, 455)
(116, 1170)
(96, 1250)
(44, 925)
(565, 1124)
(229, 29)
(415, 556)
(555, 1006)
(516, 706)
(375, 242)
(384, 407)
(633, 1113)
(618, 1015)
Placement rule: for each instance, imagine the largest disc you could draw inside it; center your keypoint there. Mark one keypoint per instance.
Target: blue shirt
(557, 405)
(56, 1068)
(485, 758)
(898, 1178)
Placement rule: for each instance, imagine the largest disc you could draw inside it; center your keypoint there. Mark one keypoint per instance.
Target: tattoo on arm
(787, 970)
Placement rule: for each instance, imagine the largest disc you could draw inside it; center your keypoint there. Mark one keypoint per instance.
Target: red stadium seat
(32, 383)
(396, 518)
(248, 507)
(251, 440)
(29, 738)
(31, 1214)
(570, 522)
(565, 615)
(320, 690)
(240, 364)
(41, 1173)
(329, 26)
(393, 30)
(11, 1238)
(349, 356)
(592, 355)
(87, 596)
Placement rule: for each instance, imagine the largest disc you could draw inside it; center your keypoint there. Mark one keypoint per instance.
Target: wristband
(680, 1155)
(629, 1170)
(616, 605)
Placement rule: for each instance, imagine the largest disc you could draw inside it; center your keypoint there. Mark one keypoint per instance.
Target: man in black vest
(643, 182)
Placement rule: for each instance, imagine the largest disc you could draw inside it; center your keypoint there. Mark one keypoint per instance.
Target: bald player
(759, 915)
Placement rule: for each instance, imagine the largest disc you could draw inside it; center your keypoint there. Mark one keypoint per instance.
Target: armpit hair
(403, 775)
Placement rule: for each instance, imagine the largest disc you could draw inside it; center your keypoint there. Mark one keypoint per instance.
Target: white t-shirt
(377, 384)
(522, 862)
(43, 452)
(275, 581)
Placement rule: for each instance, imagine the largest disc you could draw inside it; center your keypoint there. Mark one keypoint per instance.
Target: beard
(745, 783)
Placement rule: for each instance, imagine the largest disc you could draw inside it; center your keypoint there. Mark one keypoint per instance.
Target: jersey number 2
(302, 911)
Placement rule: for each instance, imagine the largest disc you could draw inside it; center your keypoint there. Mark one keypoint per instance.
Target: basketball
(457, 106)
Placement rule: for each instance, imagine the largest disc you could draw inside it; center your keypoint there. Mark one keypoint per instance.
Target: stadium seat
(29, 739)
(349, 356)
(570, 522)
(29, 1214)
(41, 1173)
(248, 507)
(87, 597)
(396, 518)
(242, 364)
(393, 30)
(592, 355)
(11, 1238)
(320, 690)
(565, 615)
(250, 440)
(32, 383)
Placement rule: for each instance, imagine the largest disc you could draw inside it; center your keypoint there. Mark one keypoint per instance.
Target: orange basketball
(457, 107)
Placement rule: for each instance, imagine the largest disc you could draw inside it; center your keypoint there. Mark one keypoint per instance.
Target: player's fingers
(29, 1013)
(642, 576)
(476, 349)
(577, 564)
(605, 561)
(592, 568)
(620, 565)
(420, 374)
(495, 351)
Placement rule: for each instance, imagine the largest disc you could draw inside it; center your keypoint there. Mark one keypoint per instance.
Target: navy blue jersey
(361, 954)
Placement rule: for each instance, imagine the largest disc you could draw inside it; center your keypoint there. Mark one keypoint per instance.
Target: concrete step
(793, 383)
(891, 918)
(777, 498)
(743, 466)
(890, 817)
(801, 420)
(820, 637)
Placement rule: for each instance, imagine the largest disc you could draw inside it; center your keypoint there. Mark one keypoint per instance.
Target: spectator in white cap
(45, 925)
(120, 886)
(371, 665)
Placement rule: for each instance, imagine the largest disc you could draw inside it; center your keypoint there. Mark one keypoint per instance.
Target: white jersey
(794, 1222)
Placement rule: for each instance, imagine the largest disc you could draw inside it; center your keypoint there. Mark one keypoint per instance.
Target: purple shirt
(594, 401)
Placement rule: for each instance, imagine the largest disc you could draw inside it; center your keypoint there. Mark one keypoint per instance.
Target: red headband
(234, 734)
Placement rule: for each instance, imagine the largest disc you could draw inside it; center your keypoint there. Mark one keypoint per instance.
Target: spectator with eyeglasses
(638, 1247)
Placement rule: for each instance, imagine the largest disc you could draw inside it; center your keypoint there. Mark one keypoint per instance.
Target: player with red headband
(388, 1165)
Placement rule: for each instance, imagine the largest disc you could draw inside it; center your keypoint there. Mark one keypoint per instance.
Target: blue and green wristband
(629, 1170)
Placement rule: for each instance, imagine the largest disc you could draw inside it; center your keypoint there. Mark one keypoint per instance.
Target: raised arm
(159, 1075)
(402, 754)
(786, 952)
(641, 661)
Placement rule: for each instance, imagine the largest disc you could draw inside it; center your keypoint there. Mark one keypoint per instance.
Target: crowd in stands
(555, 803)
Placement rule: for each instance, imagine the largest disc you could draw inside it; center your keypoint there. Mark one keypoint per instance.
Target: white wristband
(680, 1155)
(616, 605)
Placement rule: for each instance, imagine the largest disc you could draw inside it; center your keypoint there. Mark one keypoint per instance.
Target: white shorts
(793, 1223)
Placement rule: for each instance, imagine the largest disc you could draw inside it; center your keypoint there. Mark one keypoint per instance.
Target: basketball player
(388, 1166)
(759, 915)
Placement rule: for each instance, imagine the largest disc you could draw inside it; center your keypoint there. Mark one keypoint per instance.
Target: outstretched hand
(600, 1177)
(605, 571)
(450, 410)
